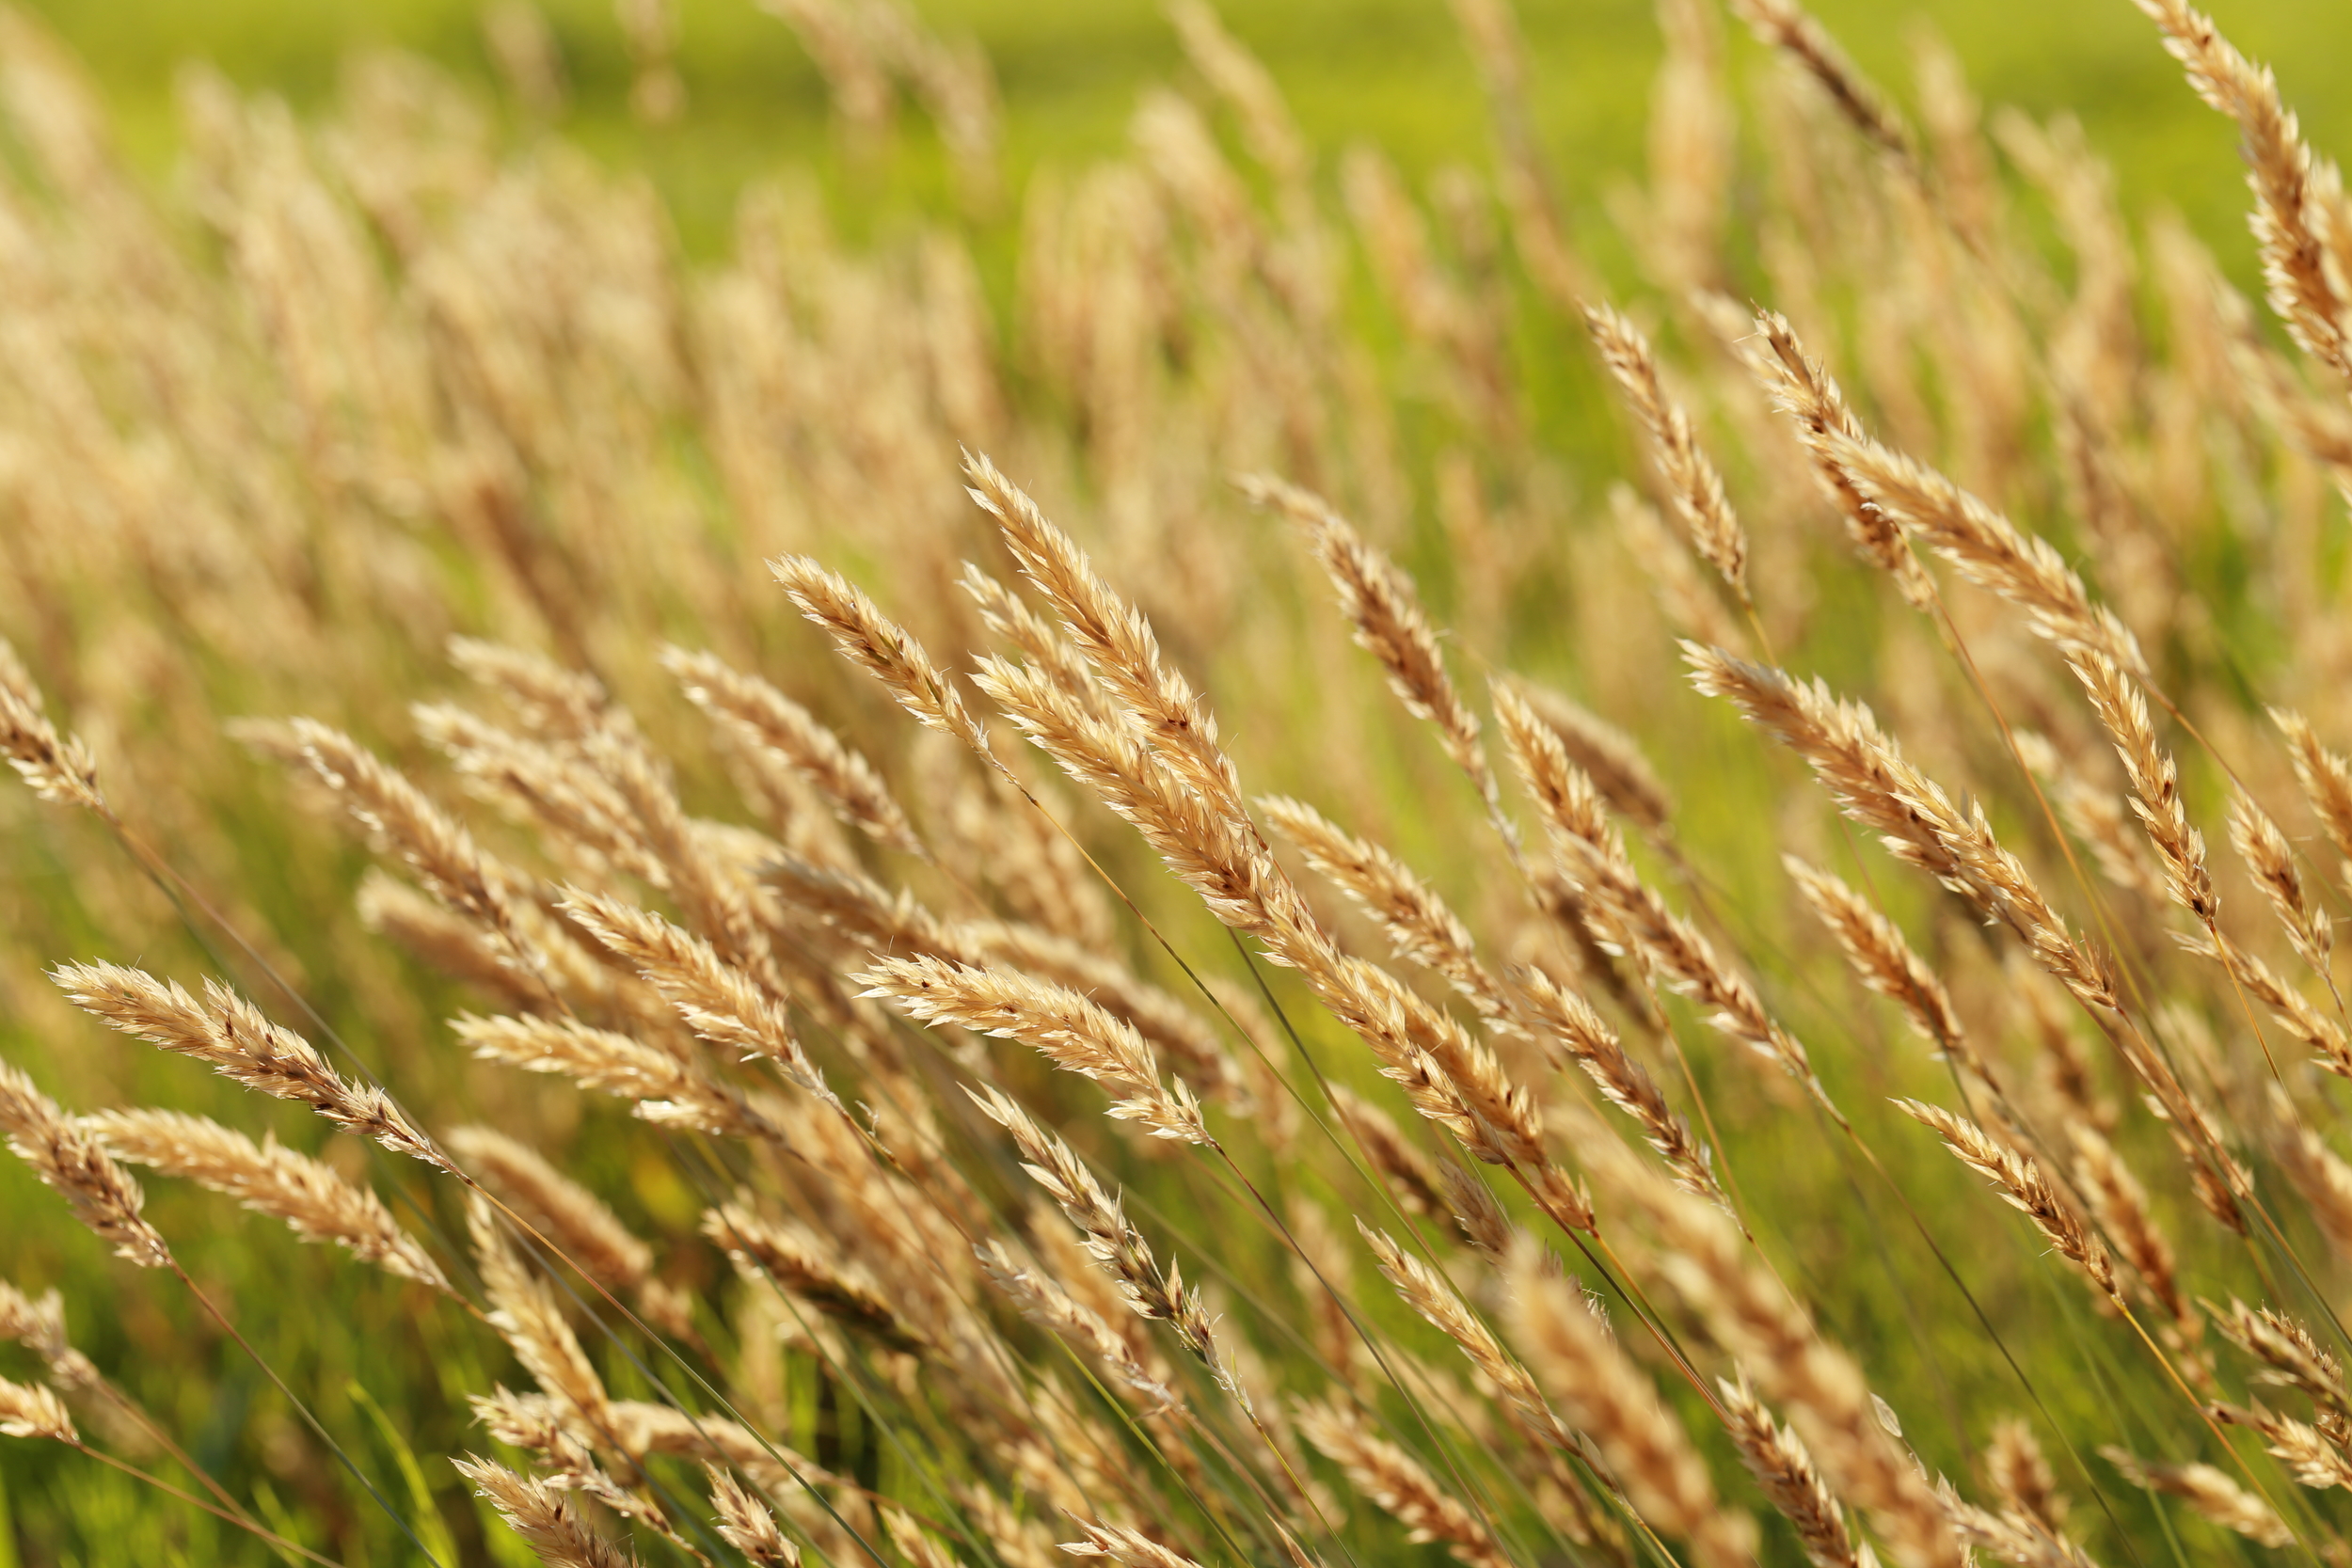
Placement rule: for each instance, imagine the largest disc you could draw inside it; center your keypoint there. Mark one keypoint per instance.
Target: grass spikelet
(1064, 1027)
(58, 766)
(230, 1035)
(1418, 924)
(1784, 25)
(1128, 1548)
(2326, 779)
(525, 1312)
(73, 1162)
(2155, 783)
(569, 1213)
(1610, 757)
(881, 647)
(790, 1257)
(759, 716)
(2012, 1536)
(2019, 1473)
(717, 1000)
(2292, 215)
(40, 1327)
(1805, 390)
(543, 1517)
(1778, 1460)
(28, 1410)
(1044, 1303)
(2268, 857)
(432, 843)
(2210, 1492)
(1380, 604)
(317, 1204)
(1397, 1484)
(1885, 959)
(2023, 1186)
(746, 1524)
(1690, 478)
(667, 1090)
(1112, 634)
(1114, 1243)
(1599, 1392)
(1560, 1017)
(1988, 549)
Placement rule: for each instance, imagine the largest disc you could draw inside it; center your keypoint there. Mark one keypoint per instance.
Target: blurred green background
(1389, 71)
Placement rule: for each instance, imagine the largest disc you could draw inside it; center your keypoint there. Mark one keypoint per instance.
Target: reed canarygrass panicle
(1776, 1457)
(58, 766)
(1398, 1485)
(1070, 1030)
(1380, 603)
(2210, 1492)
(2023, 1186)
(543, 1517)
(1691, 481)
(228, 1034)
(1805, 390)
(318, 1205)
(2298, 198)
(73, 1162)
(28, 1410)
(746, 1523)
(1128, 1548)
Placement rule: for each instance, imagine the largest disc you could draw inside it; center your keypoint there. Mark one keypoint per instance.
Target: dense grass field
(336, 348)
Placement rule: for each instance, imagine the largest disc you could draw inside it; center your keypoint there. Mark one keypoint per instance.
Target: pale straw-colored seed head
(2212, 1493)
(574, 1218)
(2020, 1180)
(543, 1517)
(1397, 1483)
(233, 1036)
(28, 1410)
(763, 719)
(317, 1204)
(1066, 1027)
(1784, 1468)
(879, 646)
(1691, 478)
(1383, 608)
(73, 1162)
(747, 1524)
(58, 766)
(1128, 1548)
